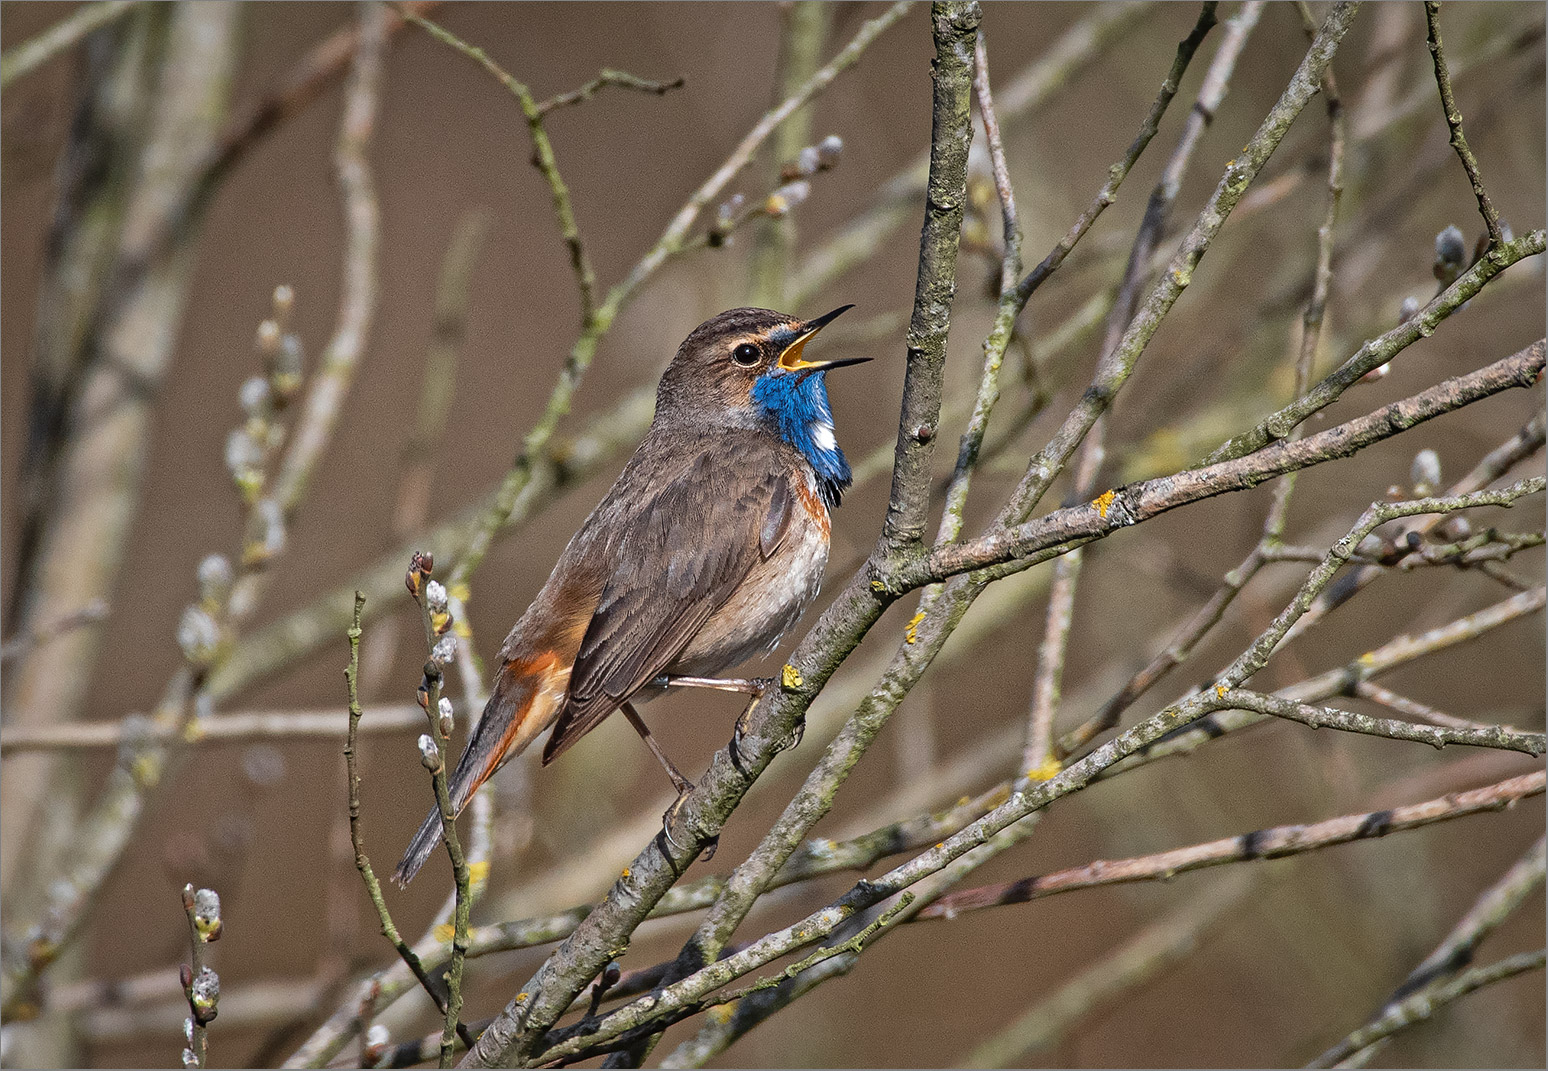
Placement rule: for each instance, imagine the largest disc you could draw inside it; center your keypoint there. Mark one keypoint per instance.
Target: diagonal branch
(1491, 218)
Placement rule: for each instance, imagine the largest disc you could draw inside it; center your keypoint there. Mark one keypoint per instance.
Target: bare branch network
(1262, 319)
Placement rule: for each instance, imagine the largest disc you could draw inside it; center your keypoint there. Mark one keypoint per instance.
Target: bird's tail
(526, 699)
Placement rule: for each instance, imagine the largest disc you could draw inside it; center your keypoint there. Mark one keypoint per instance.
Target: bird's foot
(669, 816)
(797, 734)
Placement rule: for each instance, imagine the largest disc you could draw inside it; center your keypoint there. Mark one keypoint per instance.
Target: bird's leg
(682, 784)
(679, 782)
(754, 686)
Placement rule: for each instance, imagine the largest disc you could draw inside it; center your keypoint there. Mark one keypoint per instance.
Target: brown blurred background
(1303, 959)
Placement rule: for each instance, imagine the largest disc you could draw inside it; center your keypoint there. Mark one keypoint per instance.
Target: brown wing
(677, 562)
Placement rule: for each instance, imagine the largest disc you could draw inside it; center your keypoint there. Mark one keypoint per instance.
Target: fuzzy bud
(1425, 473)
(435, 595)
(285, 369)
(215, 579)
(189, 1059)
(284, 301)
(1408, 310)
(788, 196)
(244, 460)
(429, 754)
(1379, 372)
(204, 995)
(726, 214)
(376, 1040)
(444, 651)
(828, 151)
(268, 340)
(447, 722)
(255, 397)
(198, 636)
(806, 163)
(266, 533)
(1450, 252)
(204, 906)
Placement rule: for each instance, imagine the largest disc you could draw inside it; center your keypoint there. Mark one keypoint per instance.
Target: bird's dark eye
(747, 354)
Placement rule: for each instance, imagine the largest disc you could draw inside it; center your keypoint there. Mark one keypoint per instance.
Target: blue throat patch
(798, 402)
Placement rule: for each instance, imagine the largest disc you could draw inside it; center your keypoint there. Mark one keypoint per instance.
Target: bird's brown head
(749, 367)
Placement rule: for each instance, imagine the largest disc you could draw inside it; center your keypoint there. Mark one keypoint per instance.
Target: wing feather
(677, 562)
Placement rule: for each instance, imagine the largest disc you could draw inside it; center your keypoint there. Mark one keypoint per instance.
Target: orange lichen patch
(1103, 501)
(1221, 690)
(1047, 770)
(911, 632)
(790, 677)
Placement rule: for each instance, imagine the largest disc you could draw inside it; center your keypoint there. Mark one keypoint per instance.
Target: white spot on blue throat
(798, 404)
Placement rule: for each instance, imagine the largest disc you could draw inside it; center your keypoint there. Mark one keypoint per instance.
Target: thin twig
(1276, 842)
(1454, 953)
(1491, 218)
(28, 56)
(434, 746)
(1040, 755)
(608, 77)
(1158, 946)
(201, 985)
(90, 614)
(356, 834)
(242, 726)
(1421, 1005)
(1116, 174)
(359, 288)
(898, 199)
(1423, 711)
(1016, 548)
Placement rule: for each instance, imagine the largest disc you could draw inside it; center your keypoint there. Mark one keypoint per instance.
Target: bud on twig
(1450, 252)
(198, 636)
(244, 460)
(828, 151)
(266, 533)
(444, 651)
(284, 301)
(376, 1040)
(1425, 473)
(420, 566)
(204, 995)
(429, 754)
(255, 397)
(215, 579)
(447, 724)
(788, 196)
(435, 595)
(203, 907)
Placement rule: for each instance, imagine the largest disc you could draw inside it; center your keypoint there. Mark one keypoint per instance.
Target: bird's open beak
(791, 361)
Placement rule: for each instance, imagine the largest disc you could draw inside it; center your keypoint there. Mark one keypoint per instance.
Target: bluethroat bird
(709, 546)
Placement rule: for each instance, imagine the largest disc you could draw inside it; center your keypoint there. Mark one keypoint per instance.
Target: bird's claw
(670, 815)
(797, 734)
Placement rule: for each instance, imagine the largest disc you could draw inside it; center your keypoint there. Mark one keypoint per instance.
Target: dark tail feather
(419, 849)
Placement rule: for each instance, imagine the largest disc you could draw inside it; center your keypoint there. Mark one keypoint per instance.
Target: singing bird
(709, 546)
